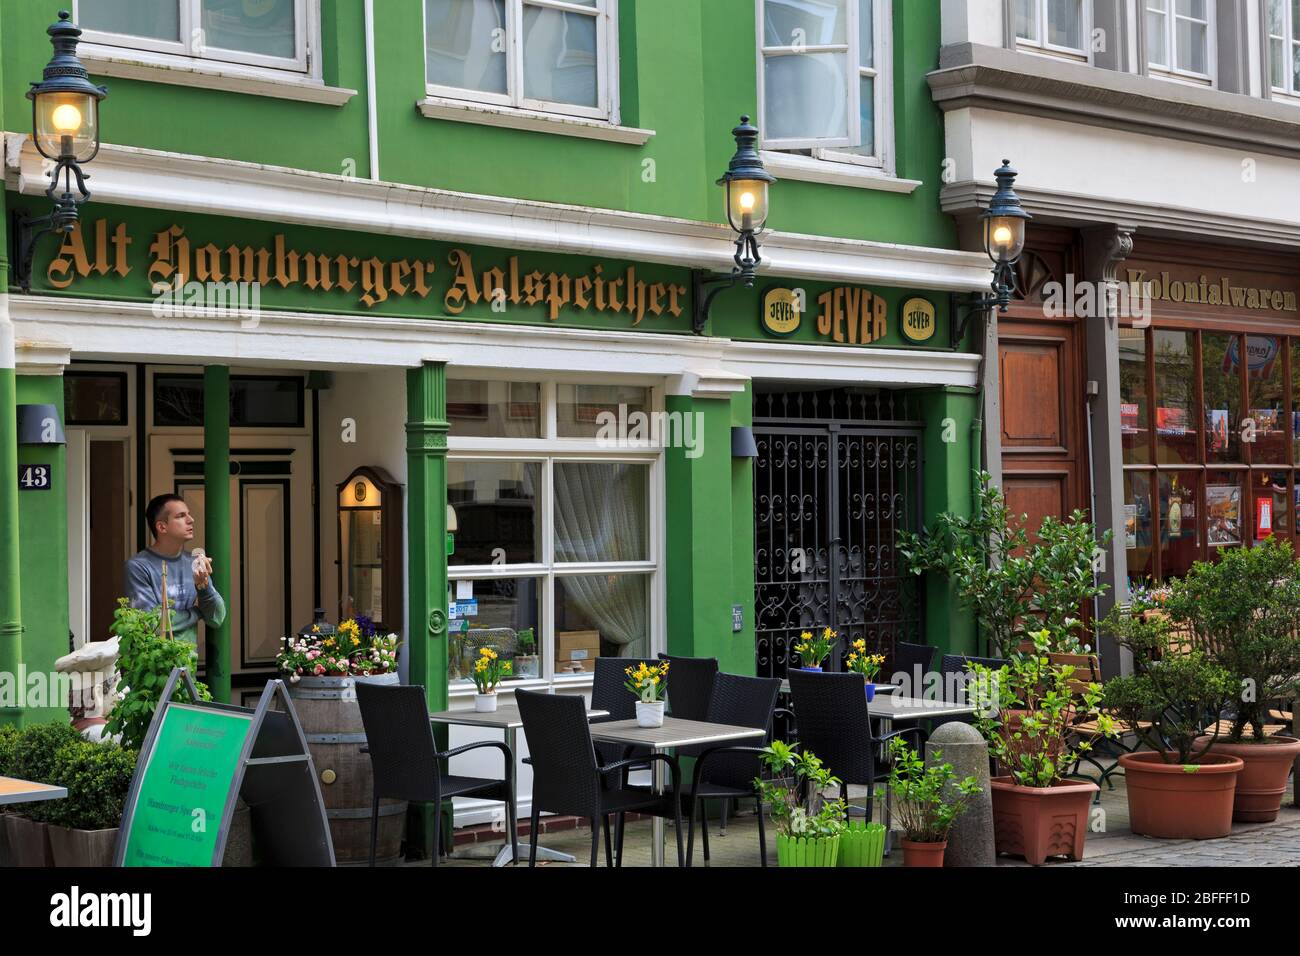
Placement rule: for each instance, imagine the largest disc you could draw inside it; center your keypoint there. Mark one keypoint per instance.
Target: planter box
(862, 844)
(29, 842)
(1166, 801)
(1262, 782)
(1041, 822)
(83, 848)
(802, 852)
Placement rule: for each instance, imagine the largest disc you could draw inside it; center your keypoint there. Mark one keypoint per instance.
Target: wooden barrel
(331, 720)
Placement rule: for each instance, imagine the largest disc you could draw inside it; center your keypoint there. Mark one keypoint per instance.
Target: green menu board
(184, 787)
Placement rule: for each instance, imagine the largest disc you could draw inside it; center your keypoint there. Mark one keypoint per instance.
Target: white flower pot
(486, 703)
(650, 715)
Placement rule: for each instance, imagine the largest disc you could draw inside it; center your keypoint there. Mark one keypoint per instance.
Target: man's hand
(203, 573)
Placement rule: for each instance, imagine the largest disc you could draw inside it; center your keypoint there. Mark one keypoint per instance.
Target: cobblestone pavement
(1267, 844)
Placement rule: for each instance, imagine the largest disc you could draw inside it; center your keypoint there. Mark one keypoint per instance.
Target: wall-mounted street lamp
(745, 185)
(65, 127)
(1004, 240)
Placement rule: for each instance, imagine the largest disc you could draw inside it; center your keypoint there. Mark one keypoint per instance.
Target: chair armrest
(914, 729)
(495, 744)
(697, 775)
(644, 759)
(365, 748)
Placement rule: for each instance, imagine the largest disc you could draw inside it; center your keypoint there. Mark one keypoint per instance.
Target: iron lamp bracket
(706, 288)
(62, 219)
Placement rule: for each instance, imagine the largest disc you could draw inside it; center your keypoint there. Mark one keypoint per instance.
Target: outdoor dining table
(674, 733)
(506, 718)
(13, 790)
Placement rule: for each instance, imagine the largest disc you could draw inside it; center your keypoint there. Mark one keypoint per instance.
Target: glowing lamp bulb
(747, 202)
(1002, 235)
(66, 118)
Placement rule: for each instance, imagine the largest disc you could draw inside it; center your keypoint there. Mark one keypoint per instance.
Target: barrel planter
(331, 720)
(805, 852)
(862, 844)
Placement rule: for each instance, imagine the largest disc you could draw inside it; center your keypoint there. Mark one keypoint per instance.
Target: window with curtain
(554, 530)
(1179, 37)
(1054, 26)
(548, 55)
(1283, 18)
(825, 82)
(270, 33)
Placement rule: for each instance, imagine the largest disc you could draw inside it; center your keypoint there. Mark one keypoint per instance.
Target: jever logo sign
(782, 311)
(918, 320)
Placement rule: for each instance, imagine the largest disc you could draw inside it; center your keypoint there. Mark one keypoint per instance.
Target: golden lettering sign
(782, 311)
(175, 259)
(852, 315)
(917, 320)
(1206, 291)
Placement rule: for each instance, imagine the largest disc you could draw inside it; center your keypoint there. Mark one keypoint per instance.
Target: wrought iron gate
(838, 475)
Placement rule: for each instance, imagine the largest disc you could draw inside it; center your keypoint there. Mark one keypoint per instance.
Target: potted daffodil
(488, 672)
(868, 665)
(813, 650)
(648, 683)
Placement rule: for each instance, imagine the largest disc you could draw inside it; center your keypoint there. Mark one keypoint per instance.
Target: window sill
(808, 170)
(230, 77)
(484, 114)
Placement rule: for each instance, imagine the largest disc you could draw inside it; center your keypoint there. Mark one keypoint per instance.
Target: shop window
(582, 409)
(825, 79)
(1222, 403)
(1180, 539)
(601, 511)
(1177, 436)
(497, 516)
(1179, 38)
(1134, 408)
(1138, 521)
(94, 398)
(1284, 46)
(477, 409)
(491, 613)
(1053, 26)
(555, 56)
(1295, 401)
(267, 33)
(602, 615)
(256, 401)
(1266, 408)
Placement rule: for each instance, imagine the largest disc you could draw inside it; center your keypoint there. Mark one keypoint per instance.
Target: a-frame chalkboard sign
(198, 759)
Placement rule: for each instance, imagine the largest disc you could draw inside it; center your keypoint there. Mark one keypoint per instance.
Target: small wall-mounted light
(742, 442)
(40, 425)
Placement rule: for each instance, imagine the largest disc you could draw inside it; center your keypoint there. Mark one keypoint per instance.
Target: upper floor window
(267, 33)
(825, 78)
(1284, 46)
(1054, 26)
(1179, 37)
(556, 56)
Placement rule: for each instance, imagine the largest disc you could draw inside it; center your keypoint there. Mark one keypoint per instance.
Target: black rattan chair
(408, 766)
(955, 669)
(835, 724)
(914, 660)
(608, 693)
(690, 682)
(567, 778)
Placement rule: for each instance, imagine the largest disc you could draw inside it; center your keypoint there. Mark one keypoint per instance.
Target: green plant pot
(803, 852)
(862, 844)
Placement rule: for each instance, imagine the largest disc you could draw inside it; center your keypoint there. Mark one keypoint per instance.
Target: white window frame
(1041, 45)
(832, 149)
(191, 50)
(549, 450)
(606, 108)
(1171, 18)
(1290, 46)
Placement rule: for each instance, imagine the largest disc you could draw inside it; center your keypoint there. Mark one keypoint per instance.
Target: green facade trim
(426, 529)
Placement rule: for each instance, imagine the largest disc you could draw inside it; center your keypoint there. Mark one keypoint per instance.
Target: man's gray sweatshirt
(189, 605)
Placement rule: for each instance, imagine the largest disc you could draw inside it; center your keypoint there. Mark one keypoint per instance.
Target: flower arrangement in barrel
(356, 649)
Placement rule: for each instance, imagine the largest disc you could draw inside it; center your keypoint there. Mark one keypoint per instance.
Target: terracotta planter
(1165, 800)
(1262, 781)
(923, 854)
(803, 852)
(29, 842)
(82, 848)
(1040, 822)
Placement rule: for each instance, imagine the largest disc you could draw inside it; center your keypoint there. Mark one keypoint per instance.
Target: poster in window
(1263, 518)
(1130, 526)
(1171, 421)
(1218, 429)
(1128, 418)
(1223, 505)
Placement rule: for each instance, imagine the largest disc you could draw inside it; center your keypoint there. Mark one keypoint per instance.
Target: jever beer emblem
(918, 320)
(781, 311)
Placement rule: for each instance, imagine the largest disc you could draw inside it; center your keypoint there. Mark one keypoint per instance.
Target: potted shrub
(33, 759)
(868, 665)
(1003, 578)
(83, 828)
(527, 663)
(1026, 711)
(648, 683)
(1176, 789)
(1244, 612)
(924, 803)
(808, 825)
(8, 740)
(813, 650)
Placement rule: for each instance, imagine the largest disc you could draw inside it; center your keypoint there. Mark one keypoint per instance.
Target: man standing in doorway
(191, 595)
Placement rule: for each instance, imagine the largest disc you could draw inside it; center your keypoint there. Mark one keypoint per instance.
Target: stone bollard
(971, 840)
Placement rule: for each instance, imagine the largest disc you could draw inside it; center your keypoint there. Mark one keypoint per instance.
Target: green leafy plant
(98, 777)
(1028, 711)
(810, 815)
(1173, 694)
(527, 642)
(924, 803)
(8, 741)
(145, 661)
(33, 759)
(1008, 582)
(813, 650)
(1243, 611)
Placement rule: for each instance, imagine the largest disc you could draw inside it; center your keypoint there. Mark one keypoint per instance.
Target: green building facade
(440, 253)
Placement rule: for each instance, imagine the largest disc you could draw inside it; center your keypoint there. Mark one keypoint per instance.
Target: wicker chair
(690, 682)
(408, 766)
(835, 724)
(567, 778)
(608, 693)
(908, 659)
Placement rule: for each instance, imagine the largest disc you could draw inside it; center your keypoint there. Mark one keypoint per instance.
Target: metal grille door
(829, 498)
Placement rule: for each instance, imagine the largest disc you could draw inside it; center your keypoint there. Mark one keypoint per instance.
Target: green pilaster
(742, 536)
(426, 531)
(216, 516)
(11, 618)
(709, 539)
(951, 450)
